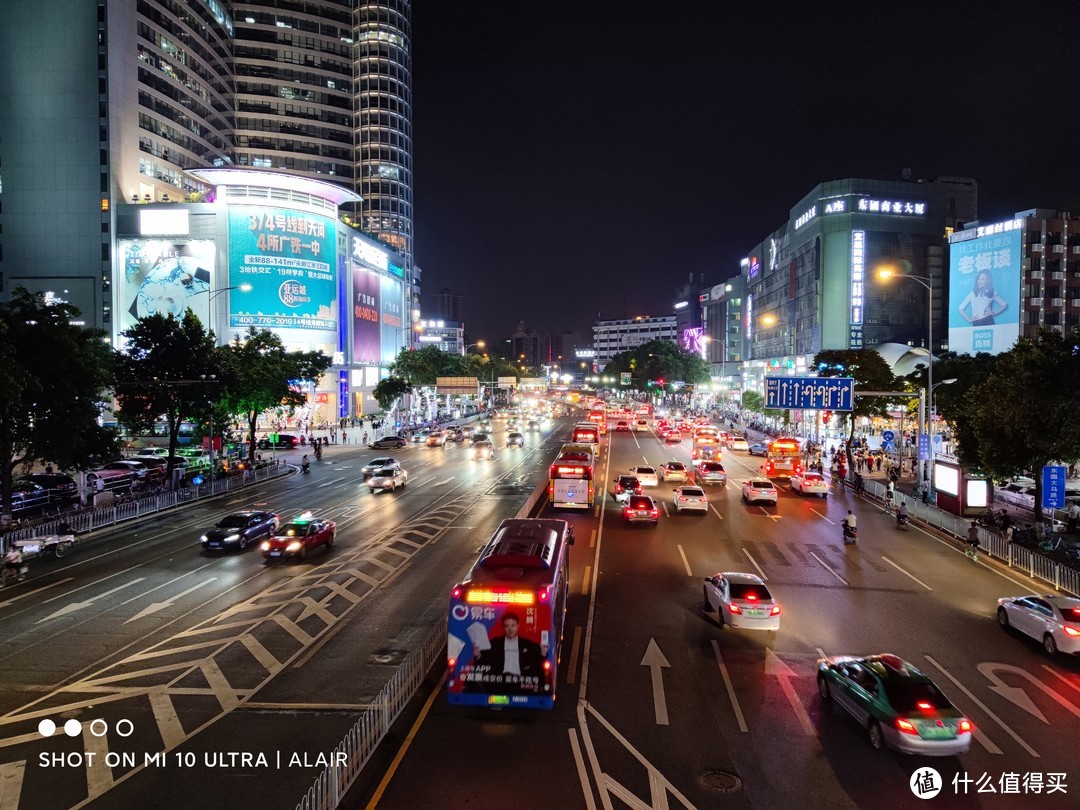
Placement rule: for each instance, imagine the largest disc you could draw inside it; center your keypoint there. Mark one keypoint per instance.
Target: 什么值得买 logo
(293, 293)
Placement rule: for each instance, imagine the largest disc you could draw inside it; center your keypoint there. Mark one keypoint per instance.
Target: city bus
(782, 458)
(706, 445)
(586, 433)
(505, 626)
(571, 478)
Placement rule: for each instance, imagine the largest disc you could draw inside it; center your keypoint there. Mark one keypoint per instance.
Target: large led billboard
(288, 258)
(391, 318)
(366, 328)
(166, 277)
(984, 289)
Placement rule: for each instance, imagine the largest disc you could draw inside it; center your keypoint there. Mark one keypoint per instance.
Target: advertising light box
(366, 329)
(984, 291)
(288, 258)
(391, 320)
(163, 277)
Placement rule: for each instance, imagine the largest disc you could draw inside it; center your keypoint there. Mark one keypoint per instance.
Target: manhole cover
(719, 781)
(387, 656)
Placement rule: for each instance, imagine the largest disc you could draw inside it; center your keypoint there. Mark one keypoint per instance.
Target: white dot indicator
(46, 728)
(73, 728)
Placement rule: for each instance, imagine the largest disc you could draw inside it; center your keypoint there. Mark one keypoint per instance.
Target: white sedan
(742, 600)
(388, 478)
(646, 476)
(810, 483)
(691, 499)
(759, 489)
(1051, 619)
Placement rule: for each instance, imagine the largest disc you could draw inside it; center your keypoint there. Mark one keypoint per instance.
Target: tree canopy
(656, 361)
(870, 372)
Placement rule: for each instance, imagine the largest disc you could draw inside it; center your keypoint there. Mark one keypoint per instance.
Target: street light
(885, 273)
(479, 344)
(771, 320)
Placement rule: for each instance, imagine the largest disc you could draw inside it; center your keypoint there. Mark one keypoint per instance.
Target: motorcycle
(851, 534)
(901, 522)
(305, 467)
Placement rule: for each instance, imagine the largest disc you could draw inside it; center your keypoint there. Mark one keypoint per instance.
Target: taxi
(298, 536)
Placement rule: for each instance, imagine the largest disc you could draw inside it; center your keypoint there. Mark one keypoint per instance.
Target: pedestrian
(1008, 534)
(344, 437)
(1074, 514)
(890, 492)
(364, 438)
(972, 542)
(13, 565)
(880, 459)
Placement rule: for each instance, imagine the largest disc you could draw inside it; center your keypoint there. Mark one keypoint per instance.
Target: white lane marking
(906, 573)
(816, 512)
(575, 648)
(1061, 678)
(666, 512)
(769, 515)
(14, 599)
(74, 606)
(685, 563)
(730, 688)
(715, 512)
(99, 778)
(783, 673)
(585, 581)
(821, 652)
(11, 779)
(592, 539)
(1029, 587)
(980, 735)
(579, 763)
(828, 568)
(168, 723)
(755, 563)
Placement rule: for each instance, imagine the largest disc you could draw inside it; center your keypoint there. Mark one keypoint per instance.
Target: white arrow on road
(654, 660)
(1018, 695)
(784, 674)
(74, 606)
(15, 599)
(154, 607)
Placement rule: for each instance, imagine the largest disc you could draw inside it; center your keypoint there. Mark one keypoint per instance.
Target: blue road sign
(1053, 487)
(887, 435)
(810, 393)
(924, 447)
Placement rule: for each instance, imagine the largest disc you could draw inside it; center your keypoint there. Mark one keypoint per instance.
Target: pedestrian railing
(353, 753)
(1036, 565)
(100, 517)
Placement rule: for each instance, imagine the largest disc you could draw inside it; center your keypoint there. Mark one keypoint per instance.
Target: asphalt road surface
(659, 706)
(201, 681)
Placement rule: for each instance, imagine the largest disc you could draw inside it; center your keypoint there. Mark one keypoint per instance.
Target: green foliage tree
(659, 360)
(256, 373)
(1023, 415)
(753, 401)
(388, 390)
(870, 372)
(166, 371)
(56, 377)
(421, 366)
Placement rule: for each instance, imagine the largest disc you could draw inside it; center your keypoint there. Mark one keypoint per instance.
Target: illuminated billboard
(166, 277)
(287, 257)
(391, 320)
(984, 288)
(366, 329)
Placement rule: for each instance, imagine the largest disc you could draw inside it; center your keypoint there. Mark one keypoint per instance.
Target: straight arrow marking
(784, 674)
(74, 606)
(655, 660)
(154, 607)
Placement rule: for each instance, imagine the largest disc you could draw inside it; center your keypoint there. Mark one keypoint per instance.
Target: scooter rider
(849, 526)
(901, 515)
(305, 465)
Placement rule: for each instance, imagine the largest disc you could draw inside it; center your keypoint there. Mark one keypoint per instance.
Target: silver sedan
(388, 478)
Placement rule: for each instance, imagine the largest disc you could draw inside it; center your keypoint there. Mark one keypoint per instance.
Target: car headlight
(293, 546)
(232, 538)
(265, 546)
(203, 539)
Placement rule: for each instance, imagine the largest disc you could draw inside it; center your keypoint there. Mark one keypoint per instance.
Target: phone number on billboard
(283, 322)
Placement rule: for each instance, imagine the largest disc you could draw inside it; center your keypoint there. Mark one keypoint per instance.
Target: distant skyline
(566, 166)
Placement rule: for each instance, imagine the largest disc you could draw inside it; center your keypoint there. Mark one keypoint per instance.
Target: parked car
(285, 441)
(151, 452)
(27, 495)
(139, 470)
(59, 486)
(390, 478)
(387, 442)
(104, 480)
(238, 530)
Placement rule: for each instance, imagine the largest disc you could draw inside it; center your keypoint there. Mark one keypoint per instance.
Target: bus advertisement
(782, 458)
(570, 480)
(505, 625)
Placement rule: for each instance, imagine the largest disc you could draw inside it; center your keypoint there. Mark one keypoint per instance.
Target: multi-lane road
(660, 707)
(140, 644)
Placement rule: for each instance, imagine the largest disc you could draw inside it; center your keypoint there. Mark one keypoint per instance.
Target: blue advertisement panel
(391, 317)
(288, 258)
(365, 315)
(984, 290)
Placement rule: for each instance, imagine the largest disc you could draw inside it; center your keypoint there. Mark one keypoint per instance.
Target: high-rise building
(612, 337)
(444, 304)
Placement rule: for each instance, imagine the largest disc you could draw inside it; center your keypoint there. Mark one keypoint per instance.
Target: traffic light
(826, 415)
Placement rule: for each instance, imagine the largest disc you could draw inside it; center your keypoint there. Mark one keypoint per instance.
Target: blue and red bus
(505, 626)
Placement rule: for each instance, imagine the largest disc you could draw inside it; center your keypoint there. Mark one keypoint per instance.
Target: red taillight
(922, 704)
(751, 597)
(775, 610)
(905, 726)
(543, 594)
(618, 489)
(734, 608)
(547, 665)
(456, 593)
(964, 726)
(654, 513)
(1072, 631)
(451, 662)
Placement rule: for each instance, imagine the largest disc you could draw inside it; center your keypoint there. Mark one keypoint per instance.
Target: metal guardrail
(92, 519)
(363, 738)
(1036, 565)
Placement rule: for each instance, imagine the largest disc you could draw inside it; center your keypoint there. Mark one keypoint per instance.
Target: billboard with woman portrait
(984, 288)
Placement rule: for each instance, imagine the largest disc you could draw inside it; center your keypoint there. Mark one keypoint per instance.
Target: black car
(27, 495)
(59, 486)
(285, 441)
(239, 530)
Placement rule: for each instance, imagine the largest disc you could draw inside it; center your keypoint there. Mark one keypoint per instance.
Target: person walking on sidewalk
(972, 550)
(1074, 515)
(890, 491)
(13, 566)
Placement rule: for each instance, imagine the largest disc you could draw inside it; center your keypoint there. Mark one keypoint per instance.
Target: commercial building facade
(612, 337)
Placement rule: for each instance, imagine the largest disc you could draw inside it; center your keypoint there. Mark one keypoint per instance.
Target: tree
(56, 376)
(388, 390)
(659, 360)
(421, 366)
(1023, 415)
(753, 401)
(258, 374)
(870, 372)
(166, 370)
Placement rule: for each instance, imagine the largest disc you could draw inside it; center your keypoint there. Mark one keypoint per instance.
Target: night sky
(585, 157)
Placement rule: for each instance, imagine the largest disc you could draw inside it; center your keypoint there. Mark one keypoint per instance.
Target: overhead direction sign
(810, 393)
